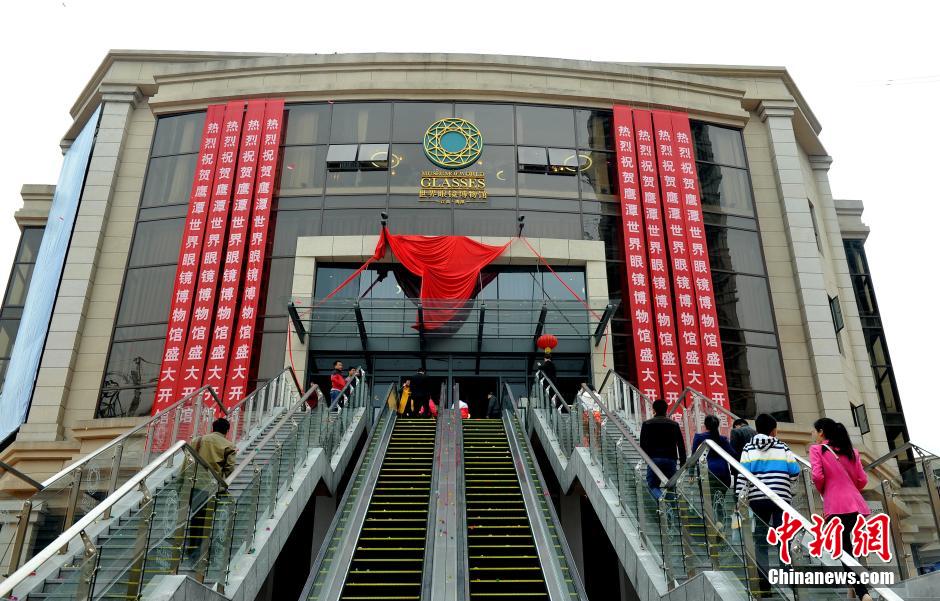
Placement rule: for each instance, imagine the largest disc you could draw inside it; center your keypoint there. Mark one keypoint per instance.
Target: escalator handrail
(922, 454)
(686, 393)
(550, 386)
(558, 591)
(334, 524)
(256, 391)
(69, 469)
(711, 446)
(30, 568)
(247, 460)
(614, 419)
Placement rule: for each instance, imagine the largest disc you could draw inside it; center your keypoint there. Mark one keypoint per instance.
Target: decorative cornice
(819, 162)
(776, 108)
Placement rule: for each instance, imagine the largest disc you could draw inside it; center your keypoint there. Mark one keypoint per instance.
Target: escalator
(389, 553)
(503, 560)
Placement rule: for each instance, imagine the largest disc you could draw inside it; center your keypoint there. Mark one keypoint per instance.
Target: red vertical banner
(187, 266)
(658, 261)
(236, 383)
(716, 386)
(213, 248)
(634, 243)
(690, 352)
(235, 249)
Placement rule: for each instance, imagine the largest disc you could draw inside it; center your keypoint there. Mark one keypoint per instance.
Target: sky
(870, 73)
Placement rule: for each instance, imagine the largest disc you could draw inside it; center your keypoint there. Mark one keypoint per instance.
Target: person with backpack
(839, 477)
(716, 463)
(773, 463)
(741, 434)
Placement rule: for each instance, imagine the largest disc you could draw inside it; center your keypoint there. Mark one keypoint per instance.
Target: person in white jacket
(590, 415)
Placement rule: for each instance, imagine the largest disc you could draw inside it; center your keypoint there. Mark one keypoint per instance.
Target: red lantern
(547, 342)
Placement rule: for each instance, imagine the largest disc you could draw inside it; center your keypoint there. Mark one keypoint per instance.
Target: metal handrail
(120, 439)
(52, 549)
(921, 452)
(845, 558)
(257, 390)
(542, 376)
(539, 530)
(246, 461)
(6, 467)
(625, 433)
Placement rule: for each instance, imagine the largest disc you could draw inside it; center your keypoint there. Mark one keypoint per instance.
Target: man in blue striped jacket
(772, 461)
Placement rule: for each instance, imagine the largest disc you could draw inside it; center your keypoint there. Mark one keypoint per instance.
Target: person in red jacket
(839, 477)
(337, 383)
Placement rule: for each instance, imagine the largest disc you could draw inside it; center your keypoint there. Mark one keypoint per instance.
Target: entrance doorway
(474, 390)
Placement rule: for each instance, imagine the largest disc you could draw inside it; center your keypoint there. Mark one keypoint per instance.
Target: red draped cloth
(449, 268)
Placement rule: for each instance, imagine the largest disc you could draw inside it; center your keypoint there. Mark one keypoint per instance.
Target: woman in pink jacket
(839, 478)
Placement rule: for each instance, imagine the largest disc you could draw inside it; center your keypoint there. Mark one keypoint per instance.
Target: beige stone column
(792, 188)
(857, 359)
(67, 327)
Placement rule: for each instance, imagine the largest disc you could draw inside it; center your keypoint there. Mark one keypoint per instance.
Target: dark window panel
(717, 144)
(753, 368)
(360, 122)
(564, 161)
(8, 329)
(407, 163)
(303, 170)
(748, 404)
(549, 204)
(725, 189)
(372, 157)
(498, 163)
(554, 289)
(428, 220)
(552, 225)
(328, 277)
(307, 124)
(167, 212)
(30, 240)
(280, 282)
(146, 295)
(178, 134)
(350, 222)
(125, 333)
(169, 180)
(134, 364)
(411, 120)
(125, 402)
(733, 221)
(594, 129)
(299, 202)
(743, 302)
(289, 226)
(357, 182)
(598, 176)
(855, 254)
(157, 242)
(484, 222)
(542, 184)
(357, 202)
(734, 250)
(544, 126)
(865, 296)
(495, 121)
(837, 321)
(20, 276)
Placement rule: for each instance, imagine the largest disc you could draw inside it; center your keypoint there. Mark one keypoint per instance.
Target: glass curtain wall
(17, 286)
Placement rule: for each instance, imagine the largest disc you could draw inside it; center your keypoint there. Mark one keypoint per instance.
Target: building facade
(799, 330)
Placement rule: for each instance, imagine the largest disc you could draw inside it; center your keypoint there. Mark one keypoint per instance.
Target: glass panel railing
(177, 517)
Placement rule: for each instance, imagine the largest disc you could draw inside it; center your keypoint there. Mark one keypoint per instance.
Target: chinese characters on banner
(187, 267)
(687, 335)
(251, 303)
(215, 371)
(713, 360)
(658, 260)
(634, 243)
(221, 256)
(213, 251)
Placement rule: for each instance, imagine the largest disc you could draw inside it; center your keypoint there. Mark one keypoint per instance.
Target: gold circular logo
(453, 143)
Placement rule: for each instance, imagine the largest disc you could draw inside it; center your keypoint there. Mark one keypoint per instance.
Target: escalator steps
(502, 557)
(387, 563)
